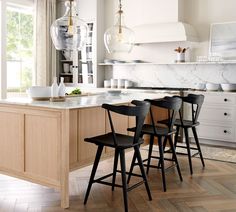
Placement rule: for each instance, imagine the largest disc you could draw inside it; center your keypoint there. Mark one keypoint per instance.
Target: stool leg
(115, 168)
(150, 152)
(132, 165)
(164, 146)
(176, 136)
(198, 145)
(188, 150)
(175, 157)
(140, 162)
(95, 165)
(123, 174)
(162, 162)
(131, 168)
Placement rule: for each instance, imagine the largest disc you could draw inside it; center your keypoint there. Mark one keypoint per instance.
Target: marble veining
(174, 75)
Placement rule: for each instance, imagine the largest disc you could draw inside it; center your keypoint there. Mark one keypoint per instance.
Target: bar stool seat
(149, 130)
(186, 123)
(183, 123)
(123, 141)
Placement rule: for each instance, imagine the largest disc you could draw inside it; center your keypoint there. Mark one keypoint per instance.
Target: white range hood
(164, 32)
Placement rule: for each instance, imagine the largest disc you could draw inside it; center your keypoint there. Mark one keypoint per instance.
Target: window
(19, 64)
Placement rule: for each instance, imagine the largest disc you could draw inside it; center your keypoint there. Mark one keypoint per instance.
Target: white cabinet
(217, 118)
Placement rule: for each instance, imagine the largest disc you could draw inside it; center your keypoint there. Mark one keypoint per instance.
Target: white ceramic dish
(114, 92)
(228, 87)
(37, 92)
(212, 87)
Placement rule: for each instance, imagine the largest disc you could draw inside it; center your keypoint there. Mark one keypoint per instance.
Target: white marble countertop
(92, 100)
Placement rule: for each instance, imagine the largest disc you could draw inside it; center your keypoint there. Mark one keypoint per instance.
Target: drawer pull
(226, 132)
(225, 100)
(225, 114)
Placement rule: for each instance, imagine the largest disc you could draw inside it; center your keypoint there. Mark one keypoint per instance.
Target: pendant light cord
(120, 14)
(70, 19)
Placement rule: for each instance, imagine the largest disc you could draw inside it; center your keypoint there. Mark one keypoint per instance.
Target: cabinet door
(12, 141)
(91, 123)
(42, 144)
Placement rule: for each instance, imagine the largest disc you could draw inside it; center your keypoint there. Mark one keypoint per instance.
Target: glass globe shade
(69, 32)
(119, 38)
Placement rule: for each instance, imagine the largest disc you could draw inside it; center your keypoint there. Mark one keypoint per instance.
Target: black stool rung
(135, 185)
(158, 158)
(157, 167)
(133, 174)
(107, 183)
(181, 153)
(193, 148)
(119, 186)
(104, 177)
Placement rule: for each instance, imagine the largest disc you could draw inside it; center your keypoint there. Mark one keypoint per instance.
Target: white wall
(199, 13)
(202, 13)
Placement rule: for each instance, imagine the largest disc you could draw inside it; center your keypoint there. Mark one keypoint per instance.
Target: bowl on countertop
(39, 92)
(228, 87)
(200, 86)
(212, 86)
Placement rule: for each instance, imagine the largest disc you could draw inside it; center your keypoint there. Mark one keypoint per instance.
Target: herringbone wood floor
(209, 189)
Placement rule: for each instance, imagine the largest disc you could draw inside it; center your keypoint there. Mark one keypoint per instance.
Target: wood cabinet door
(42, 145)
(91, 122)
(12, 141)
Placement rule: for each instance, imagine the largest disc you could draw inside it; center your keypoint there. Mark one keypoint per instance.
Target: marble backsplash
(173, 75)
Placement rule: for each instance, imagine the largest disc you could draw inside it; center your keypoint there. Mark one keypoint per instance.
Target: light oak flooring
(210, 189)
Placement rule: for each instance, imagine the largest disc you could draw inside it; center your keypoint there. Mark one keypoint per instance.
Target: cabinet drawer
(217, 114)
(221, 133)
(221, 99)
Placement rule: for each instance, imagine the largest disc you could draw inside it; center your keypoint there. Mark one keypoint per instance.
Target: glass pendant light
(69, 32)
(119, 38)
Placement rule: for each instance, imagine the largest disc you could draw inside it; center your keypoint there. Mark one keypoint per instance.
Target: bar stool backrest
(196, 102)
(140, 111)
(172, 104)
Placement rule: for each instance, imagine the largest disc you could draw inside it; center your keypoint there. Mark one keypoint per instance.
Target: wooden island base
(43, 145)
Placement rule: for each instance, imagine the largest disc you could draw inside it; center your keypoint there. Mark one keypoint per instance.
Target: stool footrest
(157, 167)
(182, 153)
(132, 174)
(180, 146)
(135, 186)
(107, 183)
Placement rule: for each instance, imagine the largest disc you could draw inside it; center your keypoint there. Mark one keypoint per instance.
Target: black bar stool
(196, 102)
(173, 105)
(120, 143)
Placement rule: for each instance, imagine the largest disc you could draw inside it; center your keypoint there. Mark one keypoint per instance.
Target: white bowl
(228, 87)
(39, 92)
(200, 86)
(212, 87)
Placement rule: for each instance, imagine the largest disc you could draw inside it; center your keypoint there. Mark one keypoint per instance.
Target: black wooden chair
(120, 143)
(195, 101)
(173, 105)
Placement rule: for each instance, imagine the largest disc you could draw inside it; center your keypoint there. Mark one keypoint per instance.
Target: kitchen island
(43, 141)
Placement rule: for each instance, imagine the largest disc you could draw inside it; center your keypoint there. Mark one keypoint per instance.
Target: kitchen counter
(95, 97)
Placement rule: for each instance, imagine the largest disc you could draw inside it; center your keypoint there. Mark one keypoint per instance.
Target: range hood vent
(164, 32)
